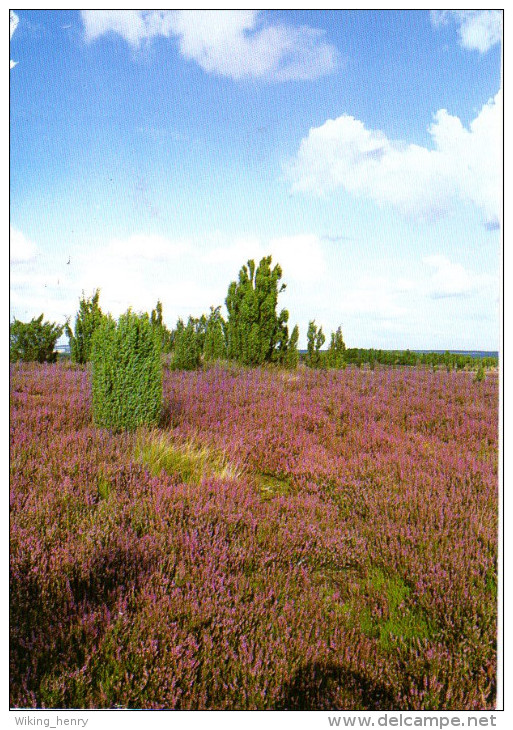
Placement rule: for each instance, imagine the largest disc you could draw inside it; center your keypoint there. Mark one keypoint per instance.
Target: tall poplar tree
(88, 319)
(256, 333)
(315, 340)
(157, 321)
(291, 357)
(214, 347)
(336, 350)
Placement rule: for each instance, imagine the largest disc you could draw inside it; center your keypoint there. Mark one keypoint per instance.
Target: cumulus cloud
(379, 296)
(300, 256)
(238, 44)
(478, 30)
(135, 271)
(13, 24)
(451, 279)
(145, 247)
(135, 26)
(421, 183)
(21, 249)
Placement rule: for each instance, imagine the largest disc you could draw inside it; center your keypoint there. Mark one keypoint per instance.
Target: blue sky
(158, 151)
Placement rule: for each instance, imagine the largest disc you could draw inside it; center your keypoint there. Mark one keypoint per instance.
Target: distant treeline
(453, 361)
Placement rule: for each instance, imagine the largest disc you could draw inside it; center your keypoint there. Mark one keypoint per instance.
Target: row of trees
(401, 358)
(253, 334)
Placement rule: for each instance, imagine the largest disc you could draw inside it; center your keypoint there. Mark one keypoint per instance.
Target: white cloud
(222, 251)
(136, 271)
(452, 279)
(301, 257)
(478, 30)
(13, 24)
(379, 296)
(145, 247)
(234, 43)
(231, 43)
(190, 276)
(21, 249)
(421, 183)
(132, 25)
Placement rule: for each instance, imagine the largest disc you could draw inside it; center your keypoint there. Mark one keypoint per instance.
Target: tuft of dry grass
(186, 459)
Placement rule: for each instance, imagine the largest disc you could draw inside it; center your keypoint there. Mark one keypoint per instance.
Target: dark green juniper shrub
(127, 373)
(33, 341)
(214, 347)
(187, 349)
(163, 332)
(255, 332)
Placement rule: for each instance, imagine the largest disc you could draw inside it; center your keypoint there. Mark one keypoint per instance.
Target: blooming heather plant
(363, 577)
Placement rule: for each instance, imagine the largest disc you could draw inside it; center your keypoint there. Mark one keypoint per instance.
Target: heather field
(285, 540)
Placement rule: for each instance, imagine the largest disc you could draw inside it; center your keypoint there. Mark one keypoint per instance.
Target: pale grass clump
(186, 459)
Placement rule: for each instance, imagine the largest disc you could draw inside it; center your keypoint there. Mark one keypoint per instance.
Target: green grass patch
(104, 486)
(491, 583)
(383, 608)
(272, 485)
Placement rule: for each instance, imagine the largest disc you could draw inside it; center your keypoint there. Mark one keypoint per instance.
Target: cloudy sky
(154, 152)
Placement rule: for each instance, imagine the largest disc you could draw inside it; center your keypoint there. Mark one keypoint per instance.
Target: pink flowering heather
(350, 563)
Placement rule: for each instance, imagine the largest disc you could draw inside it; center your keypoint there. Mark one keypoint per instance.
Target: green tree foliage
(200, 327)
(315, 340)
(291, 358)
(449, 360)
(336, 350)
(480, 374)
(127, 373)
(162, 331)
(214, 347)
(256, 334)
(156, 315)
(187, 346)
(175, 334)
(88, 319)
(33, 341)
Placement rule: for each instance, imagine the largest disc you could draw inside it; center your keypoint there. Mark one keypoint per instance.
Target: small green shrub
(480, 374)
(291, 356)
(127, 373)
(315, 340)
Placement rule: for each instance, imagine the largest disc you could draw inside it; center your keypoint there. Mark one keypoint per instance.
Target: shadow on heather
(320, 686)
